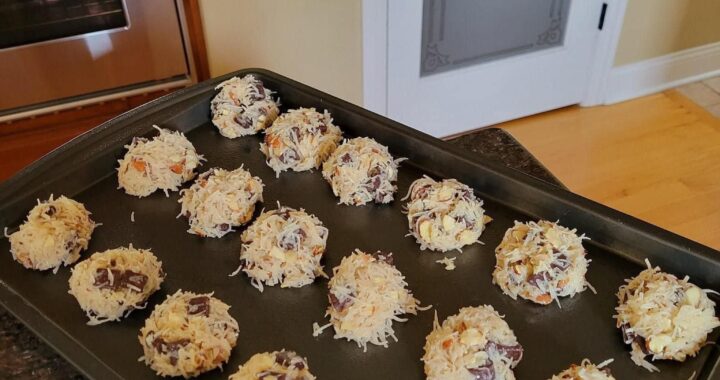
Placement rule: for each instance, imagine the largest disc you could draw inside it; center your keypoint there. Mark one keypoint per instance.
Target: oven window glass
(25, 22)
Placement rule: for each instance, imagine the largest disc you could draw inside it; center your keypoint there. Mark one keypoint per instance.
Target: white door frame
(375, 55)
(374, 46)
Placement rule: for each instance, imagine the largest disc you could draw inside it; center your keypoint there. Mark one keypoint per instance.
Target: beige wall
(653, 28)
(317, 42)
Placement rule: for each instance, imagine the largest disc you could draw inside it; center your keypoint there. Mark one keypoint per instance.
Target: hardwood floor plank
(656, 158)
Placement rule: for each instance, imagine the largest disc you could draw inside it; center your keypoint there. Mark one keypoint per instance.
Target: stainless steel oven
(55, 53)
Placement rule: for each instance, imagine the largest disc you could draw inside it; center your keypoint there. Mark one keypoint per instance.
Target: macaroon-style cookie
(663, 317)
(366, 295)
(444, 215)
(360, 171)
(475, 343)
(188, 334)
(243, 106)
(54, 234)
(283, 246)
(285, 365)
(220, 200)
(541, 262)
(111, 284)
(299, 140)
(585, 371)
(164, 162)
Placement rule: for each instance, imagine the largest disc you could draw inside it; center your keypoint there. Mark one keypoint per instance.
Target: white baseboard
(658, 74)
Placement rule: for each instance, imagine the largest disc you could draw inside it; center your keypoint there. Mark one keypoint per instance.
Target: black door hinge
(602, 16)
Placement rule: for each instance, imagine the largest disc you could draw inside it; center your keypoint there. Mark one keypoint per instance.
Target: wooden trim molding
(196, 35)
(661, 73)
(602, 64)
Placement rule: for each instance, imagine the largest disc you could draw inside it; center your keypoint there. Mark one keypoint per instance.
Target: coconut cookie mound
(663, 317)
(165, 162)
(283, 246)
(54, 234)
(243, 107)
(299, 140)
(188, 334)
(220, 200)
(286, 365)
(444, 215)
(361, 171)
(541, 262)
(585, 371)
(475, 343)
(366, 295)
(111, 284)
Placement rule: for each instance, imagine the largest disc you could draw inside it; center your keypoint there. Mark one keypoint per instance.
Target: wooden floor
(656, 158)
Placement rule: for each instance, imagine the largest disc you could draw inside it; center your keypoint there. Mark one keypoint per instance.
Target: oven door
(56, 51)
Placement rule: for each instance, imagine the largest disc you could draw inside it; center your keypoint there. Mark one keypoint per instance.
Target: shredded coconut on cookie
(663, 317)
(586, 371)
(283, 246)
(541, 261)
(475, 343)
(220, 200)
(188, 334)
(54, 234)
(299, 140)
(111, 284)
(361, 171)
(165, 162)
(243, 107)
(444, 215)
(277, 365)
(366, 295)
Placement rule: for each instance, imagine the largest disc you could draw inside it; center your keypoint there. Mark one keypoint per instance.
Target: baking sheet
(552, 337)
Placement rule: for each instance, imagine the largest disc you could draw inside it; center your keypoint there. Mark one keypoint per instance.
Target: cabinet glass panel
(460, 33)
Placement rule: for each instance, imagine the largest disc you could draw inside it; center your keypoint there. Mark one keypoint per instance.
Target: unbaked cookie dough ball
(366, 294)
(165, 162)
(243, 107)
(444, 215)
(663, 317)
(188, 334)
(360, 171)
(220, 200)
(475, 343)
(283, 246)
(585, 371)
(111, 284)
(285, 365)
(541, 262)
(300, 139)
(54, 234)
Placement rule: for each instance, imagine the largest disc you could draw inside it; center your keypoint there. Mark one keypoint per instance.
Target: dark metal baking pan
(553, 337)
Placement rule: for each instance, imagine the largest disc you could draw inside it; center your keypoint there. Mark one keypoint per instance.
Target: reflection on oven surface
(25, 22)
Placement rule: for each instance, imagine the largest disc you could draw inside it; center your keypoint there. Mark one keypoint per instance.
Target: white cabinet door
(456, 65)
